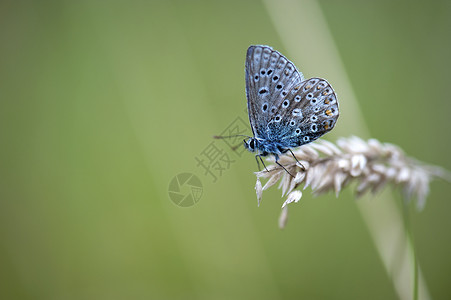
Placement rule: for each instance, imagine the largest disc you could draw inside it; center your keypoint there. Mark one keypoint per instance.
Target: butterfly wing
(309, 111)
(269, 79)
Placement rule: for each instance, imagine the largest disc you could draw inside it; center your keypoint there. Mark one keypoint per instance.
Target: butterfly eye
(252, 144)
(264, 107)
(285, 103)
(278, 118)
(297, 98)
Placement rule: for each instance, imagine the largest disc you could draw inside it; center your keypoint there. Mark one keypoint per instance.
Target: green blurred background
(102, 103)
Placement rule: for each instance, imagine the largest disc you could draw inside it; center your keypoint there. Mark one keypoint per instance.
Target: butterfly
(285, 110)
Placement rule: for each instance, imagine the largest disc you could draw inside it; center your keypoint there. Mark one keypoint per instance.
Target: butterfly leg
(258, 163)
(277, 162)
(302, 166)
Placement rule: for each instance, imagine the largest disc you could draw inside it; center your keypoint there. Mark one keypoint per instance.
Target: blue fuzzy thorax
(265, 147)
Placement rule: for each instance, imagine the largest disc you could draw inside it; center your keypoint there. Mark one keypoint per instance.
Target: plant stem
(411, 244)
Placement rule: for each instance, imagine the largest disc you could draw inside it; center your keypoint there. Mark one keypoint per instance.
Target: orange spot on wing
(329, 112)
(327, 101)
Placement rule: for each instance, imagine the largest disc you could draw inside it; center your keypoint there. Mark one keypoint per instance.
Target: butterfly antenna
(235, 147)
(219, 137)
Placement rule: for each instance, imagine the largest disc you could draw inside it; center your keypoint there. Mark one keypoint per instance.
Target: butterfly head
(250, 144)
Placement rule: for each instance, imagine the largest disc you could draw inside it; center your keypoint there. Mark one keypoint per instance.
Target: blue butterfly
(285, 110)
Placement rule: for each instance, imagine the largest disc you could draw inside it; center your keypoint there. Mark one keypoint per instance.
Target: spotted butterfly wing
(286, 111)
(269, 78)
(308, 112)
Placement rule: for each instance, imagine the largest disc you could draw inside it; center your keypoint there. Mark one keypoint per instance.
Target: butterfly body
(285, 110)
